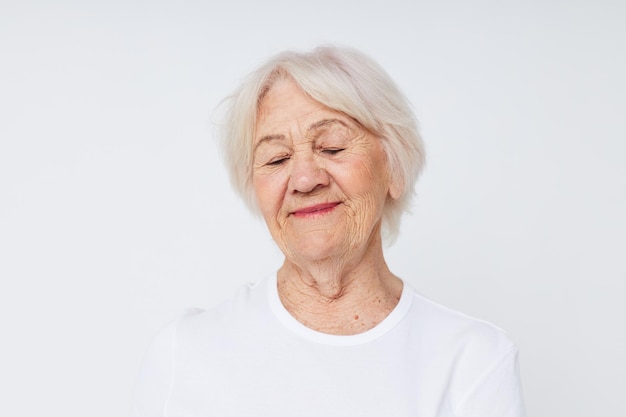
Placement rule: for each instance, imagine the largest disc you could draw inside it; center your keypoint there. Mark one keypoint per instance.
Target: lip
(316, 209)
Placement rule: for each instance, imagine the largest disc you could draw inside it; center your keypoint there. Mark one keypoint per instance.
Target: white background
(116, 213)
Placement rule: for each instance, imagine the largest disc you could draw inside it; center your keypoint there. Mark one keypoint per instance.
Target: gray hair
(344, 80)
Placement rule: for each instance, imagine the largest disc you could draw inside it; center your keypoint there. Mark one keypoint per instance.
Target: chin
(317, 246)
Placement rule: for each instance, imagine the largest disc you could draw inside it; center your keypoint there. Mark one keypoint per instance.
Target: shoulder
(177, 345)
(196, 322)
(458, 331)
(480, 359)
(152, 387)
(233, 316)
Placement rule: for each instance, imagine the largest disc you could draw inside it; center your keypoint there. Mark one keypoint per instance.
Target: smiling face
(320, 179)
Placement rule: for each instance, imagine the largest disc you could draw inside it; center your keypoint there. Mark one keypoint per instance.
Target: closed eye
(278, 161)
(333, 151)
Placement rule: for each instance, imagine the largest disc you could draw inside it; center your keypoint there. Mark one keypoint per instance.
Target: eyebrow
(325, 122)
(267, 138)
(313, 126)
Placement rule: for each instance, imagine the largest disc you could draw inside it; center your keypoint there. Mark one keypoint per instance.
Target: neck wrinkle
(340, 298)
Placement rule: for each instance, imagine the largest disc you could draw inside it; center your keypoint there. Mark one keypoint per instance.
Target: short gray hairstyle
(342, 79)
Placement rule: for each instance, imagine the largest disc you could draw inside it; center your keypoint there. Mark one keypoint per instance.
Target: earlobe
(395, 187)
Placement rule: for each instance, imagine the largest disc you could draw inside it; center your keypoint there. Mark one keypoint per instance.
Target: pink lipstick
(317, 209)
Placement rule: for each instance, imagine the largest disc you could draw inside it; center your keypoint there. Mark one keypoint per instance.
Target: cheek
(366, 179)
(367, 185)
(269, 195)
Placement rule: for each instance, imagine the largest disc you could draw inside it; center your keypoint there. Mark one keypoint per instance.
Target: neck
(340, 296)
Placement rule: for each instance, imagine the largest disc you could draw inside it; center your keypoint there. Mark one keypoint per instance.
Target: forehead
(286, 105)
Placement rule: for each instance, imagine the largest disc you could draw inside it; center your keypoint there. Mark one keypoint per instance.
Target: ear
(395, 187)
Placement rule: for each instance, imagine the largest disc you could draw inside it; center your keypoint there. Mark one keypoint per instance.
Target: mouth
(315, 210)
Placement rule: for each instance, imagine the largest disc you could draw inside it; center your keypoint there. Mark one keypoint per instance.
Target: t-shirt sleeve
(155, 377)
(497, 393)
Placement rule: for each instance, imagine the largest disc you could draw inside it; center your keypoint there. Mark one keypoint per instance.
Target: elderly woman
(326, 148)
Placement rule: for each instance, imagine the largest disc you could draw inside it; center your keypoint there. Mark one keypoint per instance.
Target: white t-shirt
(250, 357)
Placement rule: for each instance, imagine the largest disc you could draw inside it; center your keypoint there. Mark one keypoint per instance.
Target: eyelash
(281, 160)
(333, 151)
(277, 161)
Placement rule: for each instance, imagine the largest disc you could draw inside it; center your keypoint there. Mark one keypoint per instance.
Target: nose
(307, 174)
